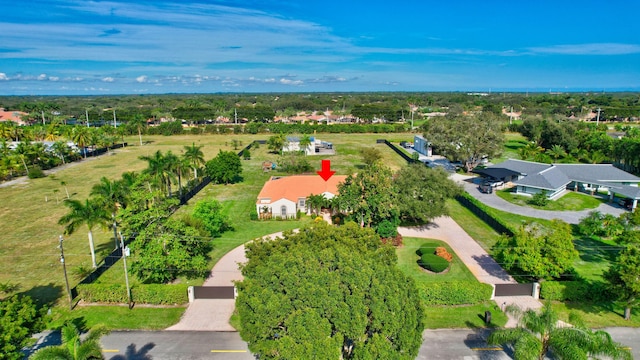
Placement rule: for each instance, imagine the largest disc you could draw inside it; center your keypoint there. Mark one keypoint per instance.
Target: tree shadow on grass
(595, 251)
(45, 295)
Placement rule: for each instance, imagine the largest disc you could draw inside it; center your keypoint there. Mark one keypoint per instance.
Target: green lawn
(598, 315)
(512, 145)
(571, 201)
(465, 316)
(473, 225)
(119, 317)
(408, 262)
(595, 257)
(31, 239)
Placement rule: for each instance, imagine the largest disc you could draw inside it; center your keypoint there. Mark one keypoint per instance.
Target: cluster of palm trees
(30, 150)
(107, 197)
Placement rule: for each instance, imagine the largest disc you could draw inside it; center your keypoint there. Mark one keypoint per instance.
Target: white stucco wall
(276, 206)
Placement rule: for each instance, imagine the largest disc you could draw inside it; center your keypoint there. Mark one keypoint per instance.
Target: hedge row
(484, 212)
(156, 294)
(456, 292)
(575, 291)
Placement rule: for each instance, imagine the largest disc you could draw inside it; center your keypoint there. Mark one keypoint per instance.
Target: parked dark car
(486, 188)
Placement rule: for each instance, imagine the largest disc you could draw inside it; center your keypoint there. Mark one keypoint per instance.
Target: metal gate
(214, 292)
(514, 290)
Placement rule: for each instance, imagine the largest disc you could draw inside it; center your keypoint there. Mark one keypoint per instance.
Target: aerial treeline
(257, 107)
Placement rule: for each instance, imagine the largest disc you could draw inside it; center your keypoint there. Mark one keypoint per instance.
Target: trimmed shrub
(575, 291)
(456, 292)
(156, 294)
(253, 216)
(433, 263)
(443, 253)
(427, 248)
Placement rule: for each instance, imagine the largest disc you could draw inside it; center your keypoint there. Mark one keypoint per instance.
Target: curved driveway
(572, 217)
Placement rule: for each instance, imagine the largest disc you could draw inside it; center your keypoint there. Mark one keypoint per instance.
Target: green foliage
(168, 128)
(210, 212)
(368, 197)
(387, 229)
(154, 294)
(456, 292)
(295, 163)
(246, 154)
(433, 262)
(36, 173)
(19, 319)
(623, 277)
(539, 333)
(164, 251)
(370, 155)
(225, 168)
(466, 138)
(340, 279)
(537, 252)
(539, 199)
(75, 345)
(580, 290)
(422, 193)
(253, 216)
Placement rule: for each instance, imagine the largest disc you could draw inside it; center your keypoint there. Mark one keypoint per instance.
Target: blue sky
(71, 47)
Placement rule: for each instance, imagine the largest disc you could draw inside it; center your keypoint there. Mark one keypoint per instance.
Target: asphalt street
(174, 345)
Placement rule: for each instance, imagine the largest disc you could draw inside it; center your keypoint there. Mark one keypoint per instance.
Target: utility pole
(86, 114)
(64, 268)
(126, 274)
(115, 126)
(598, 117)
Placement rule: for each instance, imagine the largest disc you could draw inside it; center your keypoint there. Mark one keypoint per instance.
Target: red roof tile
(298, 186)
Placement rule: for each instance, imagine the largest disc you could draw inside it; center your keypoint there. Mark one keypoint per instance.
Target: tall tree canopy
(422, 193)
(19, 319)
(328, 293)
(538, 252)
(466, 138)
(623, 278)
(369, 197)
(225, 168)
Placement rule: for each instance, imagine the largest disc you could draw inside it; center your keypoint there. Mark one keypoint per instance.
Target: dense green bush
(484, 212)
(156, 294)
(456, 292)
(539, 199)
(433, 262)
(427, 248)
(36, 173)
(580, 290)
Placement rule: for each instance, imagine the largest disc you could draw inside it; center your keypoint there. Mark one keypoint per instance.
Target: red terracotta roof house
(283, 196)
(15, 116)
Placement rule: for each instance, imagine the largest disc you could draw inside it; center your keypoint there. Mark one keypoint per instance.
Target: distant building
(15, 116)
(422, 146)
(293, 144)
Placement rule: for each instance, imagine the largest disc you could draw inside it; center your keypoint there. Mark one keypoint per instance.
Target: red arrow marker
(326, 171)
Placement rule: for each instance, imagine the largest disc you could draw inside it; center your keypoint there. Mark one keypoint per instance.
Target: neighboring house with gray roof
(531, 178)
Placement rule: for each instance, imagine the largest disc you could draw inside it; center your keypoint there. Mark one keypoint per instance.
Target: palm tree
(112, 195)
(138, 121)
(158, 170)
(539, 333)
(305, 142)
(91, 213)
(556, 151)
(194, 156)
(74, 346)
(530, 150)
(82, 137)
(174, 167)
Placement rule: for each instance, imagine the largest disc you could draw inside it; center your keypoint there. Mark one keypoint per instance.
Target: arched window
(283, 211)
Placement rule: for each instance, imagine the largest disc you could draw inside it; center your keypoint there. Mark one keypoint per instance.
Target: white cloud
(54, 78)
(589, 49)
(3, 76)
(141, 79)
(107, 79)
(290, 82)
(42, 77)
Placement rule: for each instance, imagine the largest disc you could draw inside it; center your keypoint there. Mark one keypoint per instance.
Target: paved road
(174, 345)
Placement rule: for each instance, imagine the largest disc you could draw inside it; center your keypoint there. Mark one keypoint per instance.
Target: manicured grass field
(598, 315)
(465, 316)
(571, 201)
(29, 244)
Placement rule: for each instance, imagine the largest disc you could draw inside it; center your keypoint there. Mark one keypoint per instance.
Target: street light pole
(126, 274)
(64, 269)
